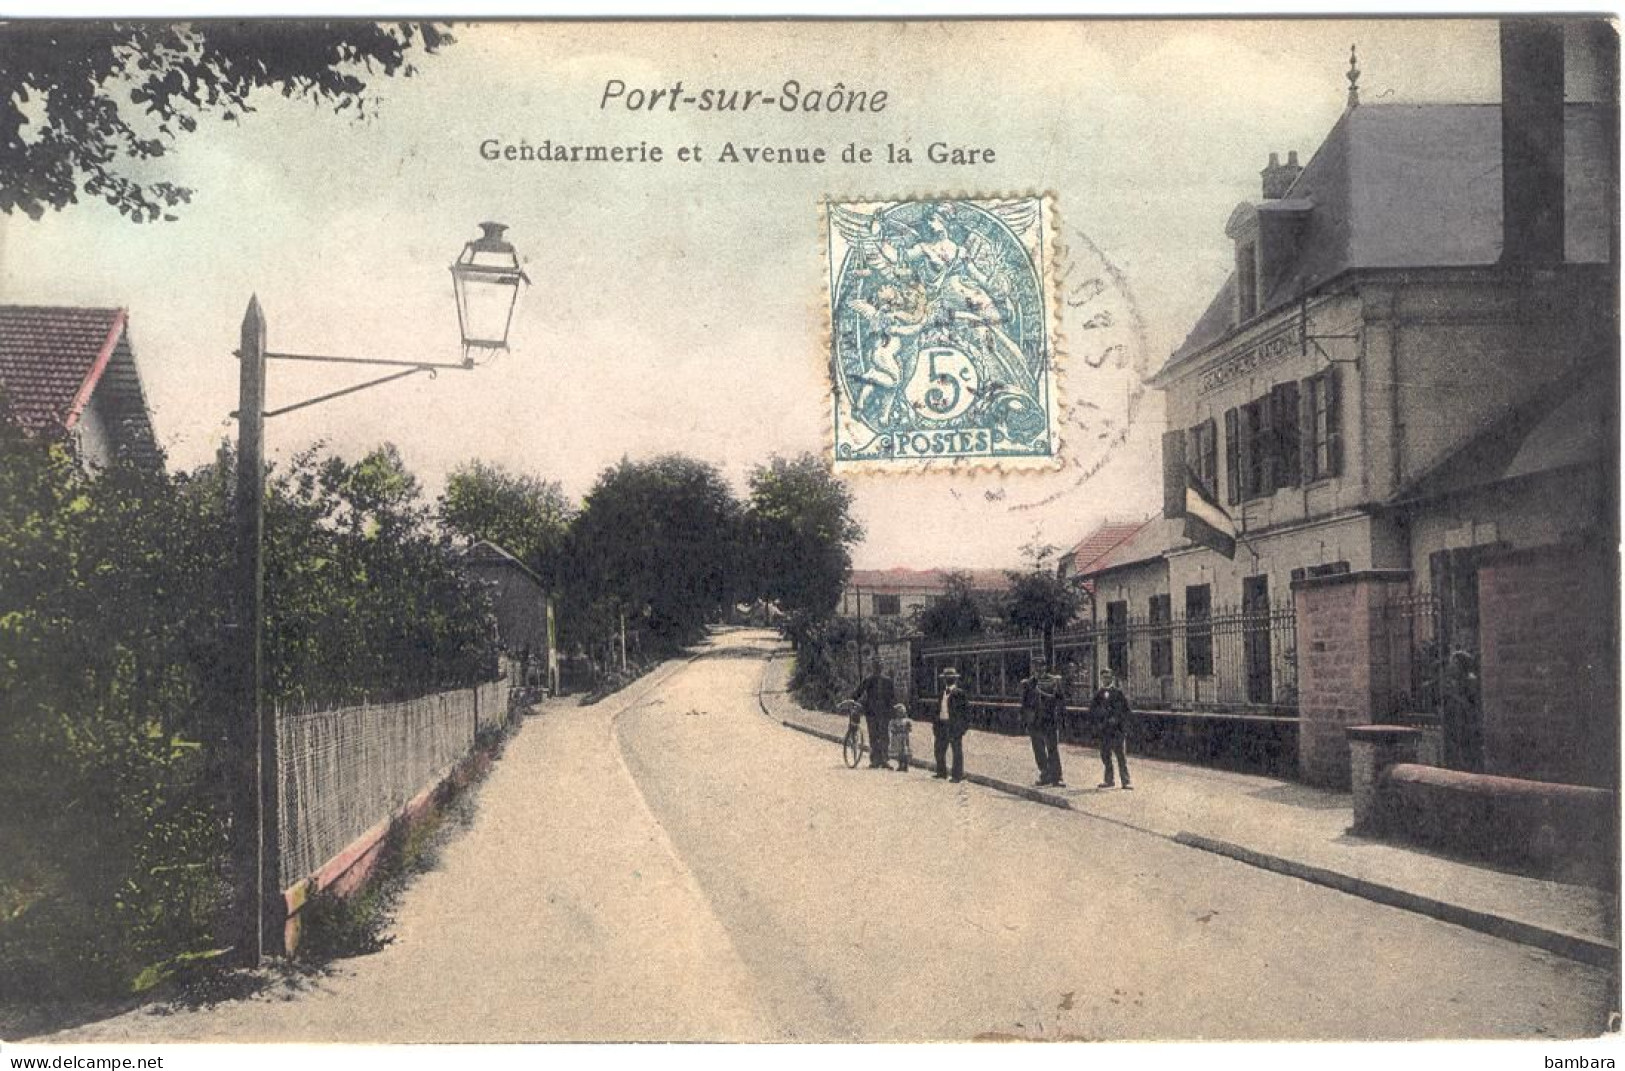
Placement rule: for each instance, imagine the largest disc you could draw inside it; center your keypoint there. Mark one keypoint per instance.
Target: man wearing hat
(1043, 702)
(948, 730)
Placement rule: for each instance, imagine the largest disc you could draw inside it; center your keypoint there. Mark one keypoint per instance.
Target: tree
(800, 531)
(956, 614)
(661, 540)
(110, 613)
(1039, 599)
(114, 654)
(524, 515)
(362, 598)
(84, 104)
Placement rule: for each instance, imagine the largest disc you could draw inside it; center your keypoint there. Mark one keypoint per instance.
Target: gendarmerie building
(1405, 400)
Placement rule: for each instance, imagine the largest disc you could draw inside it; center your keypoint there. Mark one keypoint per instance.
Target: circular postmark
(1105, 357)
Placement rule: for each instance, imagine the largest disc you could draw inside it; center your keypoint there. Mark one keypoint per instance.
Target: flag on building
(1185, 496)
(1206, 522)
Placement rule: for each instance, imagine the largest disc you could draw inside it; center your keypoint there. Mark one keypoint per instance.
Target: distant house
(898, 593)
(1096, 547)
(524, 611)
(70, 372)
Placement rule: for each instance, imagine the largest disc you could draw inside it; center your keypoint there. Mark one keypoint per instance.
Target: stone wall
(1550, 702)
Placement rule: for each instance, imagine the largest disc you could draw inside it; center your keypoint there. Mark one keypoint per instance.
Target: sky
(682, 306)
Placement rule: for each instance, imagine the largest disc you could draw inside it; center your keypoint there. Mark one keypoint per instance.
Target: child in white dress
(900, 726)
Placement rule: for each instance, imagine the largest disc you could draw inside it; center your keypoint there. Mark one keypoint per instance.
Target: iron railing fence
(1233, 660)
(1416, 657)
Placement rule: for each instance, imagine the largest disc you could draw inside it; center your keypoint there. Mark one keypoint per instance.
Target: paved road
(673, 864)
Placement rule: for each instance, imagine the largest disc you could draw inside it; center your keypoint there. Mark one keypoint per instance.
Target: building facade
(526, 627)
(900, 594)
(1404, 399)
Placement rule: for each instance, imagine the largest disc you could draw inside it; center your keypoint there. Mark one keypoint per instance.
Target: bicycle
(855, 744)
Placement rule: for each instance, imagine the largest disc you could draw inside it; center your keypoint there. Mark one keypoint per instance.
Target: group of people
(1043, 711)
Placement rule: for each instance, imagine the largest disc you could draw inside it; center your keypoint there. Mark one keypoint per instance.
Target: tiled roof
(486, 554)
(901, 581)
(1414, 186)
(1155, 538)
(1097, 544)
(51, 359)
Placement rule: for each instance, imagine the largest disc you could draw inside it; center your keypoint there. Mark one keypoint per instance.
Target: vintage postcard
(835, 531)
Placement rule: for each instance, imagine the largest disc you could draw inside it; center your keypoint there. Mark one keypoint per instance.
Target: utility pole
(857, 674)
(253, 742)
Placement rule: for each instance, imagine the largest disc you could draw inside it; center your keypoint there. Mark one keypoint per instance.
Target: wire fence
(344, 771)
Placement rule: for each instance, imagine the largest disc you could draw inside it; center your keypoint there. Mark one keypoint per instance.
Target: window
(1322, 426)
(1246, 280)
(888, 605)
(1258, 467)
(1199, 630)
(1201, 454)
(1287, 446)
(1263, 445)
(1162, 640)
(1117, 638)
(1255, 638)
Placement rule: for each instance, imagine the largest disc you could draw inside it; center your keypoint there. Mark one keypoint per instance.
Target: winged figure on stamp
(938, 312)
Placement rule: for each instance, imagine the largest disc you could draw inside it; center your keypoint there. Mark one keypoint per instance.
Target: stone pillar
(1343, 665)
(1372, 749)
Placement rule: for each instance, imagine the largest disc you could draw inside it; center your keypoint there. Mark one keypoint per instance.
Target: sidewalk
(1278, 825)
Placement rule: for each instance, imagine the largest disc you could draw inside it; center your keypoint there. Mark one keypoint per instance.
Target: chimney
(1531, 142)
(1278, 178)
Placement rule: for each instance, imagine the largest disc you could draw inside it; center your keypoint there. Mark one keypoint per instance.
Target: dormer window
(1246, 281)
(1243, 230)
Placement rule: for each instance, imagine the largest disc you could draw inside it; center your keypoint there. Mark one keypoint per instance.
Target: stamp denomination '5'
(941, 345)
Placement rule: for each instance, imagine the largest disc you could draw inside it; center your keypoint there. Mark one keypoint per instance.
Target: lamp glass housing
(486, 280)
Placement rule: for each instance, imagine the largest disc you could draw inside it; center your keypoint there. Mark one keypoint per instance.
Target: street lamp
(486, 279)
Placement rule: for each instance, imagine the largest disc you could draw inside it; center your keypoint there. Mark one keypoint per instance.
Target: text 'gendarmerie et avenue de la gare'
(729, 152)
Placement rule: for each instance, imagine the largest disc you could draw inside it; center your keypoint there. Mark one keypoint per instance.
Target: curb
(1024, 791)
(1570, 946)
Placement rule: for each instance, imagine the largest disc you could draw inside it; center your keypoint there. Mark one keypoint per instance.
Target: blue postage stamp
(941, 337)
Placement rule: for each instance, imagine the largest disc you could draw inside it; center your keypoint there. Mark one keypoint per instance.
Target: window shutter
(1210, 457)
(1173, 474)
(1263, 445)
(1306, 430)
(1284, 401)
(1334, 423)
(1232, 456)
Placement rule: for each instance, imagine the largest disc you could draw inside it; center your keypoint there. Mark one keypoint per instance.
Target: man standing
(1043, 702)
(948, 730)
(1111, 713)
(877, 695)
